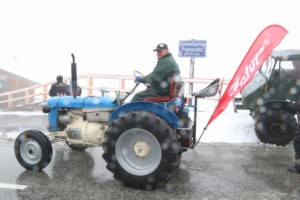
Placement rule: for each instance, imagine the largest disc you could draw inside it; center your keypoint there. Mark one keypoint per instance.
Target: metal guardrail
(91, 84)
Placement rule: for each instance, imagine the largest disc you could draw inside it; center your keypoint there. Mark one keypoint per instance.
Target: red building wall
(11, 82)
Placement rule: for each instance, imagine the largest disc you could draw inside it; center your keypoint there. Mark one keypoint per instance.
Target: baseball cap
(161, 46)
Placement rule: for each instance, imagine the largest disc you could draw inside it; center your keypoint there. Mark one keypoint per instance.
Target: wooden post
(45, 91)
(10, 101)
(90, 85)
(26, 100)
(123, 86)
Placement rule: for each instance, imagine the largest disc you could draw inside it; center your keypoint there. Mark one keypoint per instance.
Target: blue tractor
(142, 141)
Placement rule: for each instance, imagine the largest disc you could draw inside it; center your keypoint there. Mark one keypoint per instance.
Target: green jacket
(159, 78)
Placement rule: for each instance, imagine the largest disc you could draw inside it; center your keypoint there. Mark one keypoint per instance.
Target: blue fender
(146, 106)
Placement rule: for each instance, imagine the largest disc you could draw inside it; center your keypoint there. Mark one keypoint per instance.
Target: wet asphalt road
(218, 171)
(210, 171)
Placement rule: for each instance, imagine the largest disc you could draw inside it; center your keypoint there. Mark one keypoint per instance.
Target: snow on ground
(228, 127)
(22, 113)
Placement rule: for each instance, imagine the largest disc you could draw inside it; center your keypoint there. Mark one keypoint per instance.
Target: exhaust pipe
(73, 77)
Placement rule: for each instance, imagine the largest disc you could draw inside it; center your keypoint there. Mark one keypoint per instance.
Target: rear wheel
(276, 127)
(33, 150)
(141, 150)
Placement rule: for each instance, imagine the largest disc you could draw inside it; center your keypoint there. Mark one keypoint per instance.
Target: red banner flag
(259, 51)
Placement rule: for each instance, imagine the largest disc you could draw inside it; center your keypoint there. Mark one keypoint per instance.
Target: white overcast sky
(115, 37)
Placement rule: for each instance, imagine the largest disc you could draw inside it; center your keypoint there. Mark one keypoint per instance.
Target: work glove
(138, 79)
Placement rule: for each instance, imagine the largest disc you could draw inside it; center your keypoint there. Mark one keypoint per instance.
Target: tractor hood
(81, 102)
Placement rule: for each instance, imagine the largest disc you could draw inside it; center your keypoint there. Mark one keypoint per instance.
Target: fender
(278, 104)
(146, 106)
(289, 106)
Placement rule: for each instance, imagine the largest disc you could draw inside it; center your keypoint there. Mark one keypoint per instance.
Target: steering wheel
(137, 73)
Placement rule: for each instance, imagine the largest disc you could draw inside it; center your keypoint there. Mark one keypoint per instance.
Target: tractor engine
(79, 120)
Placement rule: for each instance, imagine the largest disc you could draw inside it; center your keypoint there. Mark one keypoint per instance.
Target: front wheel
(141, 150)
(33, 150)
(276, 127)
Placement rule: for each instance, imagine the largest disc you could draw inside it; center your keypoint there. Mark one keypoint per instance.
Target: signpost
(192, 49)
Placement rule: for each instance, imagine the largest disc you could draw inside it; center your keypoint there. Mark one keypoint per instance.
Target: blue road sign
(192, 48)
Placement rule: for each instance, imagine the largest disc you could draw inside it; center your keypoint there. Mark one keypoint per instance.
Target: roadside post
(192, 49)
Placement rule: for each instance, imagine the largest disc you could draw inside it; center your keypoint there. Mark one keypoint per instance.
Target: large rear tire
(33, 150)
(141, 150)
(276, 127)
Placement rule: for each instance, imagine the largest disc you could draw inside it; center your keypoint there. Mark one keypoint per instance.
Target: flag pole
(204, 129)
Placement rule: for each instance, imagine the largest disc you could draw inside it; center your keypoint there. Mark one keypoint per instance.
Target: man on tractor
(159, 79)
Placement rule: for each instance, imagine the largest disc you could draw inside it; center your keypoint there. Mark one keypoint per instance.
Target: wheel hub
(133, 150)
(276, 129)
(31, 151)
(141, 149)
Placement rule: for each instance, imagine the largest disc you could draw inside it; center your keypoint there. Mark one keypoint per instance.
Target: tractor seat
(176, 90)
